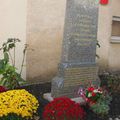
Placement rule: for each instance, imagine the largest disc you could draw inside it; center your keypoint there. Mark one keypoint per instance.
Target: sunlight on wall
(13, 24)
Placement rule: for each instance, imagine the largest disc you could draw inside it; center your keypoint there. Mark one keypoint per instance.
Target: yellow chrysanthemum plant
(17, 105)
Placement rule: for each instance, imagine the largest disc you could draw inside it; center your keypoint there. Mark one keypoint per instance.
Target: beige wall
(45, 21)
(104, 33)
(44, 35)
(108, 52)
(114, 49)
(13, 24)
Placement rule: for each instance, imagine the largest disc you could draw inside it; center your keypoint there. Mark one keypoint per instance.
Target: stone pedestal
(72, 78)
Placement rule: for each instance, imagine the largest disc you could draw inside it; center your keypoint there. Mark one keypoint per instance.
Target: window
(115, 30)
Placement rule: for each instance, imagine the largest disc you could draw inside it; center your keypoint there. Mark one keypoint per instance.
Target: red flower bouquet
(98, 99)
(2, 89)
(93, 94)
(63, 109)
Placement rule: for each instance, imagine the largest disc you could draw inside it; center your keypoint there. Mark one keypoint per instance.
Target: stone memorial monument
(78, 63)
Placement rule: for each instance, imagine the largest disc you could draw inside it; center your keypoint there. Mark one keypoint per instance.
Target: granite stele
(78, 63)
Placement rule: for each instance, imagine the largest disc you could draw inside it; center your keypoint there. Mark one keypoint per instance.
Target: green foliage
(10, 77)
(12, 117)
(102, 106)
(114, 83)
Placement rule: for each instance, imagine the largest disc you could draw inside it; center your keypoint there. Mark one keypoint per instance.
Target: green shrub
(10, 78)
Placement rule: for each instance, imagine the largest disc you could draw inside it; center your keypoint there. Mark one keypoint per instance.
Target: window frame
(115, 39)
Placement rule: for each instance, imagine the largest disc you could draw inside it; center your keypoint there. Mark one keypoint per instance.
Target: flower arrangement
(93, 94)
(98, 99)
(101, 107)
(18, 103)
(63, 109)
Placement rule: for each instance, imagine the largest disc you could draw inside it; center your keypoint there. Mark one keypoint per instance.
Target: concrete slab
(79, 100)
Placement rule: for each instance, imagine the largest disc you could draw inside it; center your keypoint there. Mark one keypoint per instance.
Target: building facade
(40, 23)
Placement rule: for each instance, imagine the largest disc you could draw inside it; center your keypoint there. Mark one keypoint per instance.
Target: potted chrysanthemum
(17, 105)
(63, 109)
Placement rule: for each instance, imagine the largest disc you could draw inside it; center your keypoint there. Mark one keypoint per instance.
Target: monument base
(72, 79)
(48, 97)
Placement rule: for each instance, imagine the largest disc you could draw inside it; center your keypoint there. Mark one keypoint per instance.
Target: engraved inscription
(82, 75)
(80, 34)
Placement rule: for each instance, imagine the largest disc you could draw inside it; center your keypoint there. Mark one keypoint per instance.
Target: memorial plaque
(82, 75)
(80, 33)
(78, 65)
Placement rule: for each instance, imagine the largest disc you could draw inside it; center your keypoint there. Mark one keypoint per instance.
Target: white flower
(89, 94)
